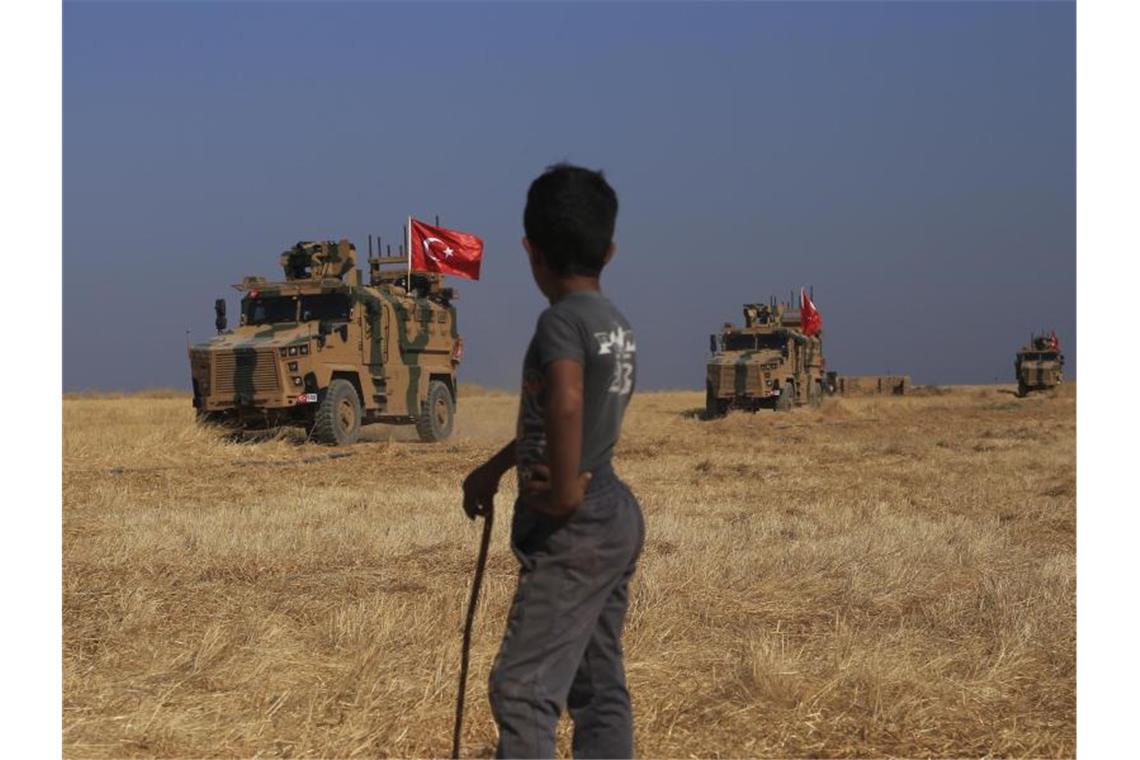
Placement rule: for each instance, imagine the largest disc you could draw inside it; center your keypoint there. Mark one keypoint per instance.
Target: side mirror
(324, 327)
(220, 315)
(712, 344)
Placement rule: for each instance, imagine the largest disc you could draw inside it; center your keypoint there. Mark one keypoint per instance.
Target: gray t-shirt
(586, 327)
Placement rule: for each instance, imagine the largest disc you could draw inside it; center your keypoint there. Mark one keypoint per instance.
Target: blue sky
(915, 162)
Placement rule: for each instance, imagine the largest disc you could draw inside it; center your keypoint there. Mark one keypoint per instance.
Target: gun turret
(762, 314)
(309, 260)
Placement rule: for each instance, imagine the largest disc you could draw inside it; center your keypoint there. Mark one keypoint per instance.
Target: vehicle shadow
(701, 414)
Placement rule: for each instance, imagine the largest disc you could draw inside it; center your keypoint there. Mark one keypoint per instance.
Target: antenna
(437, 220)
(369, 245)
(389, 249)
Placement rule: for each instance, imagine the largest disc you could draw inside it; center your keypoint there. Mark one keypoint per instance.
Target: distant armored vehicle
(769, 363)
(1039, 364)
(323, 351)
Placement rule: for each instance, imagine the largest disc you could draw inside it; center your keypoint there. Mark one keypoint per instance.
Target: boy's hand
(539, 492)
(479, 490)
(480, 486)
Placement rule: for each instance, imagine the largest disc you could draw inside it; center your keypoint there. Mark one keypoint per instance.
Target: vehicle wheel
(1022, 390)
(787, 398)
(337, 419)
(437, 413)
(714, 407)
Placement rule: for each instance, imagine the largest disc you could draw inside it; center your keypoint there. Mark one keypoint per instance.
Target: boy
(577, 530)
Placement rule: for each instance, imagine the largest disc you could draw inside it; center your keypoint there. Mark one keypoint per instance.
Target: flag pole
(408, 241)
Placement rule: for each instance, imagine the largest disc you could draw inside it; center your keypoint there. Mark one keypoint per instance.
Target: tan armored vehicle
(323, 351)
(1039, 364)
(769, 363)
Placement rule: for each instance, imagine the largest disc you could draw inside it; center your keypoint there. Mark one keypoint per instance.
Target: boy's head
(569, 222)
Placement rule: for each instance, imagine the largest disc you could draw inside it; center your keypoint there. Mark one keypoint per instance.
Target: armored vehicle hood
(259, 336)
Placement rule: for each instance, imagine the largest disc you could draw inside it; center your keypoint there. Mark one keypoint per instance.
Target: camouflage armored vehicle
(767, 364)
(323, 351)
(1039, 364)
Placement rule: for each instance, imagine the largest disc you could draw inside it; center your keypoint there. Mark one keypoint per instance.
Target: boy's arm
(564, 390)
(480, 486)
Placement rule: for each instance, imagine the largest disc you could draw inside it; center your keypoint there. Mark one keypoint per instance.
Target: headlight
(305, 349)
(296, 381)
(283, 350)
(292, 366)
(292, 350)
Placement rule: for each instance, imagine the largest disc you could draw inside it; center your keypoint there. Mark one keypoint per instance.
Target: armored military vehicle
(767, 364)
(321, 350)
(1039, 364)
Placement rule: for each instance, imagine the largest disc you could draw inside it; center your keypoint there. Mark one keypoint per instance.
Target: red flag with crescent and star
(811, 321)
(438, 249)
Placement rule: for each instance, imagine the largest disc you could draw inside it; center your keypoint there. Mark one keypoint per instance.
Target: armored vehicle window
(333, 307)
(746, 342)
(268, 311)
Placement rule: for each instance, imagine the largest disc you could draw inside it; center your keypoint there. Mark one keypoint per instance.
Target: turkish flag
(1054, 342)
(438, 249)
(811, 321)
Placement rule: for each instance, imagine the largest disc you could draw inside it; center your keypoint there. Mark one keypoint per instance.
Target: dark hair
(569, 217)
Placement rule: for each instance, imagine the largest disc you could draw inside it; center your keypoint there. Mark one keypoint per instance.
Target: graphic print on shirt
(620, 344)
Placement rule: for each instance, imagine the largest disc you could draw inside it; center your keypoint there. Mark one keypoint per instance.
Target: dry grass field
(880, 576)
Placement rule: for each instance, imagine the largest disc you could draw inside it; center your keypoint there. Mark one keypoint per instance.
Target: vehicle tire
(787, 398)
(337, 419)
(437, 413)
(1022, 390)
(714, 407)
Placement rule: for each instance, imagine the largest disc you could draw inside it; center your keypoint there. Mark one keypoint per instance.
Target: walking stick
(480, 566)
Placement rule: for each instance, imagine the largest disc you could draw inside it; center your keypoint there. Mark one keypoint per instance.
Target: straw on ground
(882, 576)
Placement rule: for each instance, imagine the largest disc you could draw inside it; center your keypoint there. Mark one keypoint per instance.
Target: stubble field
(880, 576)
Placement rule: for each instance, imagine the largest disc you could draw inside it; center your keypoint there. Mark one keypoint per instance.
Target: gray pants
(562, 647)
